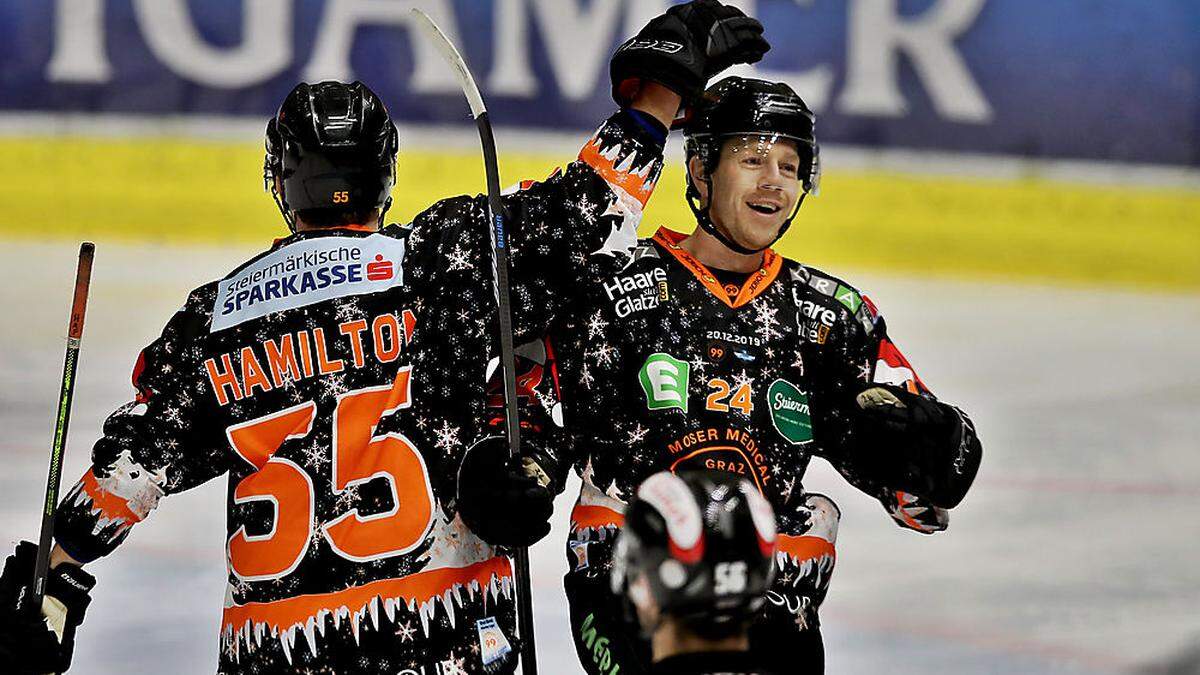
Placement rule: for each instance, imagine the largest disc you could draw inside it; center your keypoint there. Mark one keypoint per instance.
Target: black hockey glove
(43, 641)
(914, 443)
(684, 47)
(503, 500)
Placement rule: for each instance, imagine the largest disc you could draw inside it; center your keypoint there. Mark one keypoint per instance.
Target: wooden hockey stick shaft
(499, 234)
(83, 279)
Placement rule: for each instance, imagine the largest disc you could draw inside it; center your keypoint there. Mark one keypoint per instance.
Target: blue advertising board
(1104, 79)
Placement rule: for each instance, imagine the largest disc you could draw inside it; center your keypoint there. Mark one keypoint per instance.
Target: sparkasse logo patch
(306, 272)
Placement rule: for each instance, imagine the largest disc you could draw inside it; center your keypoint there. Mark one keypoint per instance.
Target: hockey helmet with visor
(747, 107)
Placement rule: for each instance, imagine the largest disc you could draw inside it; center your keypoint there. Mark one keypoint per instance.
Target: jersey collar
(752, 288)
(324, 231)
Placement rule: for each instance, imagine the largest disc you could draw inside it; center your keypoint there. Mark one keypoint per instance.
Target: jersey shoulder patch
(838, 293)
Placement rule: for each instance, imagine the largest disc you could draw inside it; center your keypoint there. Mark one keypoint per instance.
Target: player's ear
(696, 176)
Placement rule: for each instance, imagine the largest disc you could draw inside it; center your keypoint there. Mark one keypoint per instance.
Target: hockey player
(712, 351)
(337, 379)
(693, 561)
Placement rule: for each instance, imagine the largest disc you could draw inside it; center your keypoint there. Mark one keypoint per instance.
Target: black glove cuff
(71, 585)
(646, 130)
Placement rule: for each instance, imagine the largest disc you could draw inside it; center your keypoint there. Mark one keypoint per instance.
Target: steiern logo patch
(664, 379)
(789, 412)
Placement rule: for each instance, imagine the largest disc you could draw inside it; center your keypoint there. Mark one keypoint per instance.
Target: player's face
(754, 188)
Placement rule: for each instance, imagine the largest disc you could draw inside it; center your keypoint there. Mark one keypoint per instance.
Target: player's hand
(912, 512)
(902, 412)
(684, 47)
(40, 642)
(504, 501)
(908, 441)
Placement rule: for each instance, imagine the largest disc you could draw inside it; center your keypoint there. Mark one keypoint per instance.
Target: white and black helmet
(700, 546)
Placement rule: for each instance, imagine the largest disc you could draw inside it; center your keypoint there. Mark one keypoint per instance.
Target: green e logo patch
(665, 381)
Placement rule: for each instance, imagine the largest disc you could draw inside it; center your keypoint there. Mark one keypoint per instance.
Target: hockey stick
(83, 279)
(499, 236)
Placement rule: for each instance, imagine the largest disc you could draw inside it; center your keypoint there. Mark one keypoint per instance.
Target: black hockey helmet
(739, 106)
(700, 546)
(333, 146)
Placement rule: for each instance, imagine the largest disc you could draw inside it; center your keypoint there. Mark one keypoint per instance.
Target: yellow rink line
(161, 190)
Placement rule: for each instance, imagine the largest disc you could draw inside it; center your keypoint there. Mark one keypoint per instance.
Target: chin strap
(383, 213)
(706, 223)
(287, 215)
(269, 184)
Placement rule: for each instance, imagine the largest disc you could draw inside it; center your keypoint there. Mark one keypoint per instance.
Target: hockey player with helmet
(710, 350)
(693, 561)
(338, 378)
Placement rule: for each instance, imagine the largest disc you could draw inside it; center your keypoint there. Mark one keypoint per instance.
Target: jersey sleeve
(153, 446)
(872, 358)
(805, 555)
(558, 229)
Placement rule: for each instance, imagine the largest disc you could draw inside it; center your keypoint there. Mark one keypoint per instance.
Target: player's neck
(673, 639)
(371, 225)
(708, 250)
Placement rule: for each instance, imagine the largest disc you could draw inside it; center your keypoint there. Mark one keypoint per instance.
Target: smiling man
(711, 351)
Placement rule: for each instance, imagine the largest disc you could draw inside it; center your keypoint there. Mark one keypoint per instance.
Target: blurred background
(1015, 182)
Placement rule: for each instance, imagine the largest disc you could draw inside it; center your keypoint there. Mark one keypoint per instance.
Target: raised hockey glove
(914, 443)
(503, 500)
(42, 641)
(684, 47)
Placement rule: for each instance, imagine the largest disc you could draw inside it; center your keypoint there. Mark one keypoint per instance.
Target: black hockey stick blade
(499, 234)
(83, 280)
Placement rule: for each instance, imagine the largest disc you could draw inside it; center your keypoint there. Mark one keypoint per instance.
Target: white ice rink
(1077, 552)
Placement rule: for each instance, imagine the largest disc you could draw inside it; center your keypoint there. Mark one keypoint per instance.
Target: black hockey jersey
(336, 379)
(711, 663)
(661, 366)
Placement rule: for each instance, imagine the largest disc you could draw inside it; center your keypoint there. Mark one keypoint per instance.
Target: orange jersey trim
(635, 184)
(753, 287)
(109, 505)
(421, 587)
(805, 547)
(595, 517)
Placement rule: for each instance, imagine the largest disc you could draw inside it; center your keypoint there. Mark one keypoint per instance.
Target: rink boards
(905, 214)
